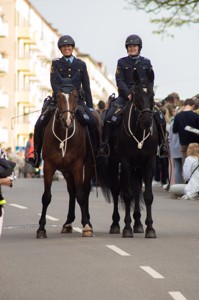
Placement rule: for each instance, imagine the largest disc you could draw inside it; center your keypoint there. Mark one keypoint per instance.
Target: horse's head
(66, 104)
(143, 101)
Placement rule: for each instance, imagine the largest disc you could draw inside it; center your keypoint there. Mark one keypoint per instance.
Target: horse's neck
(131, 123)
(130, 116)
(55, 126)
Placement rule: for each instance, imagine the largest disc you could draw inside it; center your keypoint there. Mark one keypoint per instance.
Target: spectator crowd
(179, 170)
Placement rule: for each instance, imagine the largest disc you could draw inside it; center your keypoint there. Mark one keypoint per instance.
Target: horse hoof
(150, 234)
(87, 231)
(138, 228)
(41, 235)
(114, 229)
(67, 229)
(127, 233)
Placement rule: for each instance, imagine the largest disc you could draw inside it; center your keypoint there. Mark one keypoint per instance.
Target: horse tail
(103, 176)
(135, 190)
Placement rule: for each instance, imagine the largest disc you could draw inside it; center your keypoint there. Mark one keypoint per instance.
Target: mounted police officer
(125, 83)
(72, 71)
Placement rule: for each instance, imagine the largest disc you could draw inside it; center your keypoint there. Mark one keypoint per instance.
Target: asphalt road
(105, 266)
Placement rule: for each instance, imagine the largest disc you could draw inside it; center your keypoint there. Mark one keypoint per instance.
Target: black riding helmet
(65, 40)
(133, 39)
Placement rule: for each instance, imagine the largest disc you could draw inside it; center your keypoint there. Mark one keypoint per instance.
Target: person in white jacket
(190, 189)
(191, 171)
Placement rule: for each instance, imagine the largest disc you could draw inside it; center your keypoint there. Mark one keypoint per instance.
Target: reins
(63, 143)
(140, 143)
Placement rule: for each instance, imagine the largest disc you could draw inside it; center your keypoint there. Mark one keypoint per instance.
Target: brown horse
(66, 148)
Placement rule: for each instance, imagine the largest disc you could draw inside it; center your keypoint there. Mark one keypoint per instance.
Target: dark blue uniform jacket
(124, 73)
(76, 73)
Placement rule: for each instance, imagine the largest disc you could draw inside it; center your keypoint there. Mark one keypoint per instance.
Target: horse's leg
(67, 227)
(115, 190)
(148, 198)
(77, 171)
(115, 227)
(88, 173)
(137, 181)
(127, 195)
(46, 199)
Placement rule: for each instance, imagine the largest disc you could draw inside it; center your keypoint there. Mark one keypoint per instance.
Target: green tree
(169, 13)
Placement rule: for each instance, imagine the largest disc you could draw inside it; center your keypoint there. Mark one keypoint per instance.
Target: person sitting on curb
(190, 189)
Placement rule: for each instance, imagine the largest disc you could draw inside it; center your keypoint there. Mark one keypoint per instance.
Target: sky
(100, 28)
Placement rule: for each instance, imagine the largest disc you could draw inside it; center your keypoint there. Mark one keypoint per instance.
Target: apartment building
(28, 43)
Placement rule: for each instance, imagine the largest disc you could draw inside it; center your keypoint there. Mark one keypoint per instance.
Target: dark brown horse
(66, 148)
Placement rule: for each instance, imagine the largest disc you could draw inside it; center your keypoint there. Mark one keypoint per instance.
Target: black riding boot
(48, 109)
(162, 139)
(38, 139)
(163, 146)
(105, 149)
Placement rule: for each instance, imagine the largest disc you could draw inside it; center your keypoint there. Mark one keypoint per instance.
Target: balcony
(25, 97)
(23, 128)
(3, 65)
(3, 29)
(26, 33)
(4, 100)
(26, 66)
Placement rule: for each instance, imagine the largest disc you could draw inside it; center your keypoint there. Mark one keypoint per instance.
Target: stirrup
(34, 161)
(163, 151)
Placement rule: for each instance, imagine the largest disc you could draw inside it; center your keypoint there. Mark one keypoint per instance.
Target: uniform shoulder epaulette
(79, 60)
(56, 59)
(145, 58)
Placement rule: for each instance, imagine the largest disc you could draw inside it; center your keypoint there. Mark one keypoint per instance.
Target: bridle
(70, 122)
(62, 112)
(71, 112)
(140, 113)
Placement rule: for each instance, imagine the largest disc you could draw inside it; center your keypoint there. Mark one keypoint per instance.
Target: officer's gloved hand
(52, 103)
(49, 103)
(48, 98)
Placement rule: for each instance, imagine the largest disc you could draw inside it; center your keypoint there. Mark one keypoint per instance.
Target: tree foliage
(169, 13)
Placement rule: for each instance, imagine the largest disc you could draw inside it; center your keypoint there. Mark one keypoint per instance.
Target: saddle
(82, 115)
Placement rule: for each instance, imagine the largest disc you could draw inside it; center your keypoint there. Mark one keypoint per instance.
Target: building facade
(28, 43)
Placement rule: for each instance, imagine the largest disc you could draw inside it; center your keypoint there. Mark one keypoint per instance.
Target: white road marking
(50, 218)
(18, 206)
(77, 229)
(151, 272)
(177, 296)
(118, 250)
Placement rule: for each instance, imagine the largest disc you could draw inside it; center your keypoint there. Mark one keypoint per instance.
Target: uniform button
(69, 75)
(69, 69)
